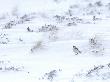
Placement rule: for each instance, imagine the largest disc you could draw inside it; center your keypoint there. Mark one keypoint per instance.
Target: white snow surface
(30, 56)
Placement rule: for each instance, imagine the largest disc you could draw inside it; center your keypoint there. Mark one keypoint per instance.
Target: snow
(47, 55)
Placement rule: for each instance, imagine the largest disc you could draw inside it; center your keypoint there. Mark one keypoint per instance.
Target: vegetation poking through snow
(91, 8)
(37, 46)
(94, 70)
(47, 28)
(26, 18)
(70, 21)
(12, 68)
(59, 29)
(50, 75)
(20, 20)
(53, 35)
(6, 66)
(4, 38)
(98, 3)
(10, 24)
(96, 46)
(99, 72)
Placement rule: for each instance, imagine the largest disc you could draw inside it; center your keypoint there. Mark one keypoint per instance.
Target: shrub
(90, 5)
(10, 24)
(53, 35)
(7, 66)
(70, 21)
(99, 72)
(99, 3)
(38, 45)
(50, 75)
(12, 68)
(26, 18)
(4, 38)
(20, 20)
(71, 24)
(59, 18)
(94, 70)
(96, 46)
(47, 28)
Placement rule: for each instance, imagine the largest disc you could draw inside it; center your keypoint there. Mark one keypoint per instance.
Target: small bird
(76, 50)
(29, 30)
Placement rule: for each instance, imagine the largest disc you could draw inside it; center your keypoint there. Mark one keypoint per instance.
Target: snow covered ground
(37, 39)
